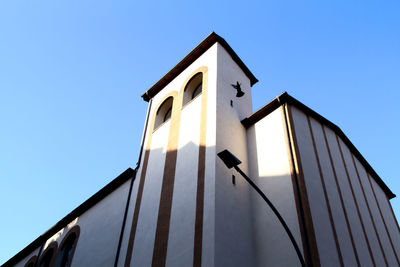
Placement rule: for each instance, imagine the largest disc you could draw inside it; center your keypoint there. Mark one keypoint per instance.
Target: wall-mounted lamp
(232, 162)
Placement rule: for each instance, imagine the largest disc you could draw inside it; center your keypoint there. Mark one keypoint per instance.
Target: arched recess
(193, 88)
(190, 83)
(168, 178)
(143, 171)
(200, 207)
(164, 112)
(31, 262)
(67, 247)
(47, 259)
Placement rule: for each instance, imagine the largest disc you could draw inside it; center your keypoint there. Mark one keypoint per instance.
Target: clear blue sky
(72, 72)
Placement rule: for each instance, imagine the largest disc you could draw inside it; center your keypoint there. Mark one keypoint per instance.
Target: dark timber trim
(139, 195)
(144, 135)
(355, 201)
(384, 223)
(128, 199)
(369, 211)
(321, 175)
(286, 98)
(131, 186)
(167, 186)
(309, 227)
(341, 198)
(295, 186)
(136, 211)
(198, 227)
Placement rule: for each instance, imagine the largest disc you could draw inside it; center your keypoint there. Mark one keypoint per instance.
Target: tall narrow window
(164, 112)
(167, 114)
(47, 258)
(67, 248)
(193, 88)
(197, 90)
(65, 254)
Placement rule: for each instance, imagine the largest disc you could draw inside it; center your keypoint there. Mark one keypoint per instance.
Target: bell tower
(179, 213)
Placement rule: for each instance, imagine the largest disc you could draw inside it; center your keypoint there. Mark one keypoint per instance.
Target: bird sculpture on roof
(239, 93)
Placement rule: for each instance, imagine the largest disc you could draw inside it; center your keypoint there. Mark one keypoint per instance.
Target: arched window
(64, 255)
(164, 112)
(193, 88)
(67, 248)
(167, 115)
(47, 258)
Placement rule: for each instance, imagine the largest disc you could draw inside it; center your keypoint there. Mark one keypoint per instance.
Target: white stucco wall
(270, 170)
(181, 232)
(233, 238)
(100, 229)
(147, 220)
(183, 213)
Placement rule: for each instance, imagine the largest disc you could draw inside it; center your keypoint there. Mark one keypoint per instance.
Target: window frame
(188, 93)
(160, 116)
(52, 246)
(74, 230)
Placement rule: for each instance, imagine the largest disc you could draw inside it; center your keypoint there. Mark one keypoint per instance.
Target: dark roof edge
(93, 200)
(286, 98)
(190, 58)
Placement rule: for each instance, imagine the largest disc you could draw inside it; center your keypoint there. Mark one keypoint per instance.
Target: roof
(190, 58)
(286, 98)
(93, 200)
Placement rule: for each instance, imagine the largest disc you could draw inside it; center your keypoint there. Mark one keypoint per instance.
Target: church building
(182, 206)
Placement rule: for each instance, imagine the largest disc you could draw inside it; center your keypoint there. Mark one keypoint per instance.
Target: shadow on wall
(271, 172)
(186, 220)
(166, 211)
(273, 246)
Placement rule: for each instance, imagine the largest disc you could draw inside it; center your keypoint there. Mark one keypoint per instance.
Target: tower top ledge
(191, 57)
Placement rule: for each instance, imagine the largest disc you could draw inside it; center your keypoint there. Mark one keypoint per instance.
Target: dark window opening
(197, 91)
(164, 112)
(64, 256)
(193, 88)
(46, 259)
(168, 114)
